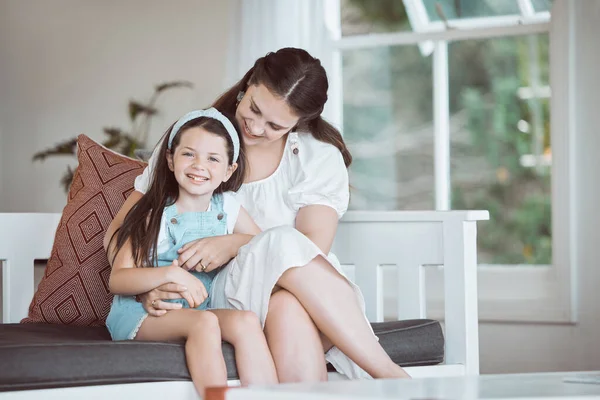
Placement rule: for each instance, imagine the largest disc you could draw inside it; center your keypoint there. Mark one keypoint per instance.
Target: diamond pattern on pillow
(74, 289)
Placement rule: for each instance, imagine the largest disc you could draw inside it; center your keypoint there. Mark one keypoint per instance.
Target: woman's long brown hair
(142, 223)
(298, 78)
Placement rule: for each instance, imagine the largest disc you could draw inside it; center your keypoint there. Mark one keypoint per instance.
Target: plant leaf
(136, 108)
(171, 85)
(67, 178)
(113, 132)
(115, 136)
(67, 147)
(128, 145)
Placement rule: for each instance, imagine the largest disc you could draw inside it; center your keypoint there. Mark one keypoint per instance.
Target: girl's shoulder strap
(217, 201)
(169, 211)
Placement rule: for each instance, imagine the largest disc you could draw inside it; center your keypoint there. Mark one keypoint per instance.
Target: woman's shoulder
(311, 147)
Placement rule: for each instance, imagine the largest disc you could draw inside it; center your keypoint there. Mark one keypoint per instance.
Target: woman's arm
(218, 250)
(245, 224)
(212, 251)
(319, 224)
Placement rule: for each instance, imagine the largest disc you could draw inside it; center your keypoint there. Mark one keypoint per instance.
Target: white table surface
(512, 386)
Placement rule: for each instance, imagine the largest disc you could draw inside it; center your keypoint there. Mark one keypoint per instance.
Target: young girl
(200, 160)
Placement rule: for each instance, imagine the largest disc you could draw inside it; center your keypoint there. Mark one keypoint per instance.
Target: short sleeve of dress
(142, 182)
(231, 206)
(322, 179)
(162, 242)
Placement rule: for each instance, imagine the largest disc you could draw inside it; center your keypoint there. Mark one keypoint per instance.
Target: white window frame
(515, 293)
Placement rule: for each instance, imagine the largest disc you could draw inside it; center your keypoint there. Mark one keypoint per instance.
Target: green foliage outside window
(485, 77)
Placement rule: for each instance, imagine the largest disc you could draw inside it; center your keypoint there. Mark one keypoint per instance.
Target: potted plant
(130, 142)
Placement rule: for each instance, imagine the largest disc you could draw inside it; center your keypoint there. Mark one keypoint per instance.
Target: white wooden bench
(366, 243)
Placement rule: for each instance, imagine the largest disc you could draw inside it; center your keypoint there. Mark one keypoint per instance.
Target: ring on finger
(202, 266)
(153, 303)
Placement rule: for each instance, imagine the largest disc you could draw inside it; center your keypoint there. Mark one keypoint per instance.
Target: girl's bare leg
(252, 356)
(202, 335)
(332, 305)
(294, 340)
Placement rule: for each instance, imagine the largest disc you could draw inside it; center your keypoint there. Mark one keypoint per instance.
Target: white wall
(70, 66)
(3, 61)
(529, 348)
(1, 165)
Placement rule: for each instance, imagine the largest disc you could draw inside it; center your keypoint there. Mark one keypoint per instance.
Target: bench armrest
(24, 237)
(408, 240)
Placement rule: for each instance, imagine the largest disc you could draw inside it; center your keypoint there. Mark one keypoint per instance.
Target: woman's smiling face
(263, 117)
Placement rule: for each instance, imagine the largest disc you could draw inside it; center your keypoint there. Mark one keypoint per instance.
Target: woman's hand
(183, 286)
(153, 300)
(210, 253)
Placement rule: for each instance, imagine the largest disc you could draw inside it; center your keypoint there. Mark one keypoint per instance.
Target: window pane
(542, 5)
(368, 16)
(359, 17)
(388, 126)
(457, 9)
(500, 152)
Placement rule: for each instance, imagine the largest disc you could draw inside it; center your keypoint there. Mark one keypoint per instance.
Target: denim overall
(126, 314)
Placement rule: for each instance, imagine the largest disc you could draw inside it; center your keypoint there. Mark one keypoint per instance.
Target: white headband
(209, 113)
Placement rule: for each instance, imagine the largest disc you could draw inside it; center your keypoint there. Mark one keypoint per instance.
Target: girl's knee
(204, 323)
(247, 320)
(245, 325)
(242, 327)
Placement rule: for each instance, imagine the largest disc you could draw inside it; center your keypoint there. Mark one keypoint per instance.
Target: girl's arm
(319, 224)
(126, 279)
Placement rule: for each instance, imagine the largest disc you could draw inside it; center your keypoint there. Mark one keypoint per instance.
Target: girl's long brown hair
(142, 223)
(298, 78)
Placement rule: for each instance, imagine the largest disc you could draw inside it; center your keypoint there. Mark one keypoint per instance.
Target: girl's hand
(195, 287)
(210, 253)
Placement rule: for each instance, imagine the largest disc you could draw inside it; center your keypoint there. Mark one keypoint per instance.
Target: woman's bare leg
(252, 356)
(327, 345)
(294, 340)
(332, 305)
(203, 352)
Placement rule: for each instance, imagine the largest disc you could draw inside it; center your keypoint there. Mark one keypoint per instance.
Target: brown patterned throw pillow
(74, 289)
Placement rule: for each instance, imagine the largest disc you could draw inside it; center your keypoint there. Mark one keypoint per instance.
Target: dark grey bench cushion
(36, 356)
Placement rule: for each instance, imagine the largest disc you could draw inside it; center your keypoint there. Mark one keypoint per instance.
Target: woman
(296, 178)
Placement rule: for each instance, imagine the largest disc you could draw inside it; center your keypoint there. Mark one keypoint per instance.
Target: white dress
(315, 176)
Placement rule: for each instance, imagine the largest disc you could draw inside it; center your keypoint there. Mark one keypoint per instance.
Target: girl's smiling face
(200, 162)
